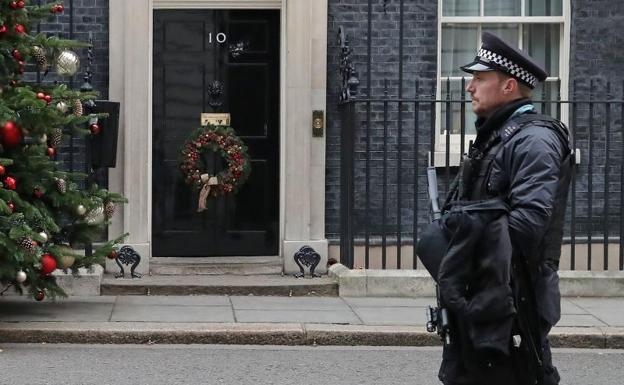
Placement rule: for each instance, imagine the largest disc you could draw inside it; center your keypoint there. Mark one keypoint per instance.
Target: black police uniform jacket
(531, 172)
(525, 163)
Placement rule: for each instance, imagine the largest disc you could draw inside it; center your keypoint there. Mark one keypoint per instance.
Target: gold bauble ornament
(67, 258)
(95, 216)
(62, 107)
(43, 138)
(67, 63)
(66, 261)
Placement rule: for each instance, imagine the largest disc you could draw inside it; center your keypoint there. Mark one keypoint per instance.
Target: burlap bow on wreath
(222, 140)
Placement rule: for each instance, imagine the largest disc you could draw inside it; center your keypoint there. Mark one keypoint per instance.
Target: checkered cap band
(512, 68)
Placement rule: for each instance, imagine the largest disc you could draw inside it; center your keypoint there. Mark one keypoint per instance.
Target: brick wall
(597, 57)
(419, 64)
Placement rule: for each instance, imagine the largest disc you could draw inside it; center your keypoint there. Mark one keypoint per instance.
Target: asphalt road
(35, 364)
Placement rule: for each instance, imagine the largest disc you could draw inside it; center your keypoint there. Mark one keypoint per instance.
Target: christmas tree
(45, 213)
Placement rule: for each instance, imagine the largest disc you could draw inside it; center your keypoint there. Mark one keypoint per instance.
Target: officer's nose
(469, 87)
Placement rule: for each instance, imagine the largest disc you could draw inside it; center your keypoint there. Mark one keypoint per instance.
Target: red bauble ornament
(51, 151)
(57, 8)
(95, 128)
(17, 55)
(40, 95)
(3, 29)
(11, 206)
(47, 98)
(38, 193)
(11, 134)
(13, 4)
(48, 264)
(19, 28)
(21, 4)
(2, 170)
(10, 183)
(40, 295)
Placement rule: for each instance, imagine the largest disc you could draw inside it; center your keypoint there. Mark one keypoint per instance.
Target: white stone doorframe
(303, 89)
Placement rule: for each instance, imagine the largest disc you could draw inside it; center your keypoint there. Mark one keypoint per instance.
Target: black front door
(192, 50)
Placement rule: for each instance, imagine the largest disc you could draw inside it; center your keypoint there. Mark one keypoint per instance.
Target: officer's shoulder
(536, 139)
(533, 128)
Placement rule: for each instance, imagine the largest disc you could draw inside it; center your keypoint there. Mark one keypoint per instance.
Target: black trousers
(461, 368)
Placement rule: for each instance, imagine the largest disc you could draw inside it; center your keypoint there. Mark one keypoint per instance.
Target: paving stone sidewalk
(585, 322)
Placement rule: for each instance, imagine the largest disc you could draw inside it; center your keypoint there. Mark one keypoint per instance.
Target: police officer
(524, 158)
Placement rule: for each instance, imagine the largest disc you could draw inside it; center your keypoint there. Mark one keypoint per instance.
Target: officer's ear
(510, 85)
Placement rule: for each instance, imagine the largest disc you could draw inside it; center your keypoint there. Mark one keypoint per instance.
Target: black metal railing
(387, 143)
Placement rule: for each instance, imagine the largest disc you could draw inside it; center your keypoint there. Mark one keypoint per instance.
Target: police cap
(496, 54)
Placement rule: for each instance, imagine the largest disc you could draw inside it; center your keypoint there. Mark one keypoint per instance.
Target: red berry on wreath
(13, 4)
(2, 170)
(10, 183)
(21, 4)
(95, 128)
(40, 295)
(48, 264)
(47, 98)
(40, 95)
(3, 29)
(17, 55)
(19, 28)
(51, 151)
(37, 193)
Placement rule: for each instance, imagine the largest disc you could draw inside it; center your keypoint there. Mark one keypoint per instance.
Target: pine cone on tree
(109, 209)
(61, 185)
(40, 57)
(77, 105)
(37, 223)
(27, 244)
(56, 137)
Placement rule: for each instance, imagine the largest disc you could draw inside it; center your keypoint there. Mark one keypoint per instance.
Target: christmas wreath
(223, 141)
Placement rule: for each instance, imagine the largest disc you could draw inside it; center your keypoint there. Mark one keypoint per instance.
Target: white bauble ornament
(62, 106)
(43, 138)
(81, 210)
(95, 216)
(20, 277)
(44, 236)
(67, 63)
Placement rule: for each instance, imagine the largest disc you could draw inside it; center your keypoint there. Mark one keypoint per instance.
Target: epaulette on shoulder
(515, 124)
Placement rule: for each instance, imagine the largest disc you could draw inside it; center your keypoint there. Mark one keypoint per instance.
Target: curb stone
(266, 334)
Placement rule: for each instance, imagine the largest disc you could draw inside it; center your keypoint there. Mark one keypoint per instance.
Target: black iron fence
(388, 142)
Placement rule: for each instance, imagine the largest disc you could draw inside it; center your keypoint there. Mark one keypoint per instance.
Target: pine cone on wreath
(56, 137)
(27, 244)
(40, 57)
(109, 209)
(77, 105)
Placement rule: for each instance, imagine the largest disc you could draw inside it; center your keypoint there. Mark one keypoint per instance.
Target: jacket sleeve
(532, 159)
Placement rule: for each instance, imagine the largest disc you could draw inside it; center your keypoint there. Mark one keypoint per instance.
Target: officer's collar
(485, 126)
